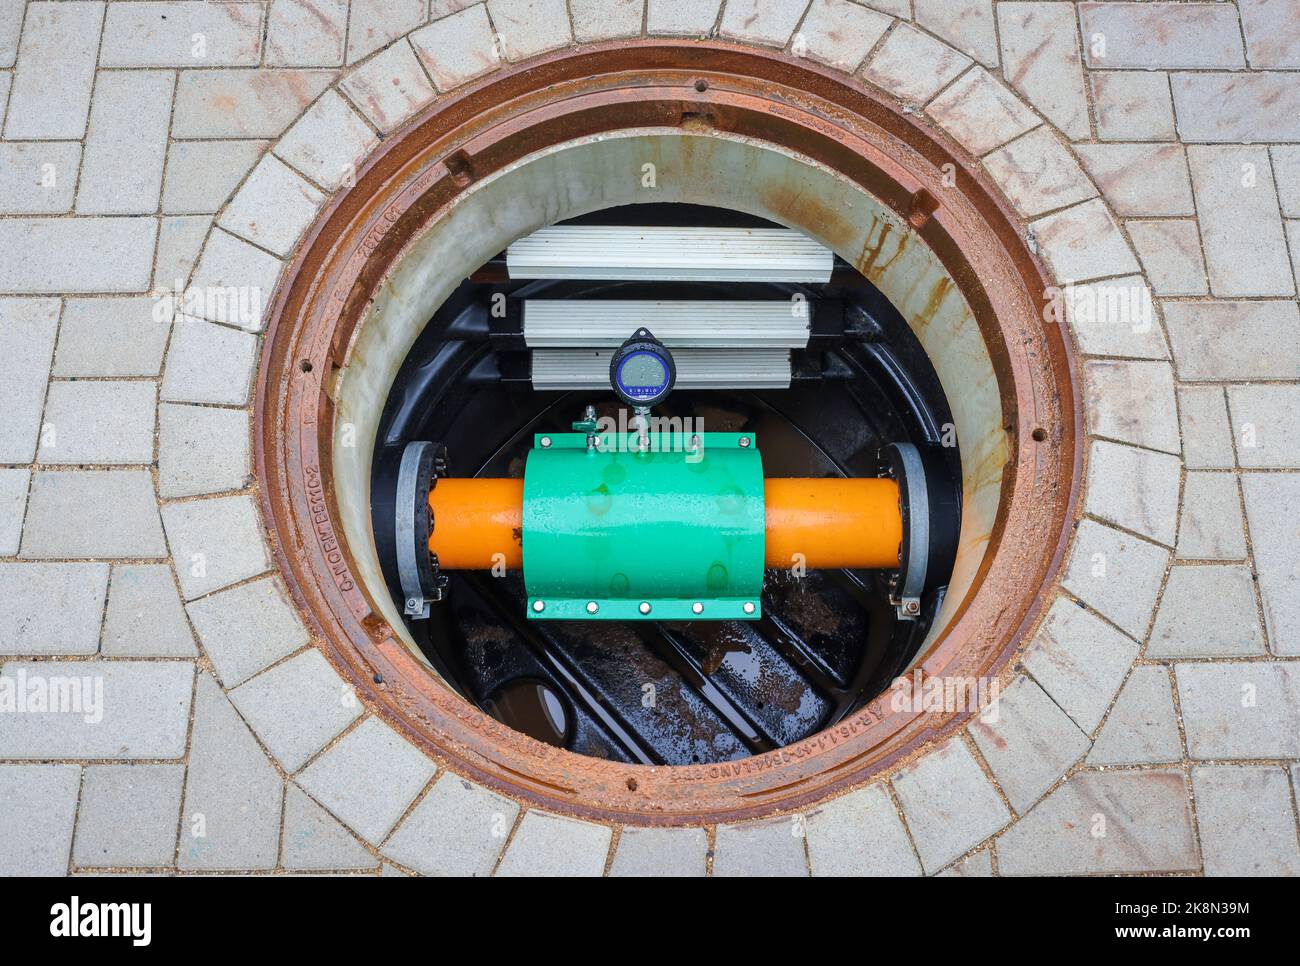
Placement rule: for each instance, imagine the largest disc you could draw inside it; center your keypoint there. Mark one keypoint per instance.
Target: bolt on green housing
(660, 527)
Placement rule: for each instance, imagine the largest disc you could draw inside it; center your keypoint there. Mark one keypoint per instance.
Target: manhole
(930, 331)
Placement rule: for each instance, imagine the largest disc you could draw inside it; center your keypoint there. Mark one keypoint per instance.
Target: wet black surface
(657, 692)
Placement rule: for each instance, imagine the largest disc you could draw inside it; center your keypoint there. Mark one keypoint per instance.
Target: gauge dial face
(642, 371)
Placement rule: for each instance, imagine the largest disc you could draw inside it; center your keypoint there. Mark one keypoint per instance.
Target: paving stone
(949, 804)
(1207, 436)
(682, 18)
(552, 845)
(1286, 174)
(391, 86)
(660, 853)
(111, 337)
(27, 332)
(306, 33)
(1271, 499)
(315, 841)
(1040, 56)
(895, 8)
(1132, 402)
(1080, 662)
(55, 72)
(368, 779)
(1118, 575)
(243, 102)
(605, 19)
(1234, 187)
(273, 186)
(1083, 243)
(1246, 821)
(209, 364)
(1244, 709)
(458, 829)
(767, 22)
(98, 422)
(145, 617)
(1207, 611)
(123, 175)
(1028, 742)
(456, 49)
(376, 23)
(113, 709)
(966, 24)
(233, 282)
(977, 866)
(215, 543)
(1234, 340)
(38, 177)
(1237, 107)
(180, 240)
(1272, 37)
(51, 608)
(1141, 179)
(913, 66)
(13, 504)
(66, 515)
(201, 450)
(182, 34)
(1161, 35)
(859, 834)
(328, 143)
(6, 78)
(1170, 252)
(1134, 488)
(526, 28)
(981, 112)
(246, 629)
(840, 33)
(202, 174)
(1133, 106)
(233, 796)
(1292, 229)
(36, 822)
(769, 848)
(1105, 822)
(1211, 527)
(11, 22)
(297, 707)
(128, 816)
(1038, 174)
(1115, 317)
(1266, 420)
(1142, 728)
(113, 254)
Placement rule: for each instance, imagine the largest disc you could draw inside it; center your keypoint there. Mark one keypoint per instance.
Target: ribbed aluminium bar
(665, 254)
(736, 368)
(573, 323)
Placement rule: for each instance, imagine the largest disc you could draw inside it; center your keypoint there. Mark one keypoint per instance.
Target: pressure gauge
(642, 370)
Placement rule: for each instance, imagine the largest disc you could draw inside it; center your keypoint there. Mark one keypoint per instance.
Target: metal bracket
(417, 568)
(913, 494)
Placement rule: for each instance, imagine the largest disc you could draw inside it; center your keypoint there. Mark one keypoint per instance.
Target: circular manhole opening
(595, 682)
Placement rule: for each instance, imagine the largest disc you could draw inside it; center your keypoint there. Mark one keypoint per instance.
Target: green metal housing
(670, 532)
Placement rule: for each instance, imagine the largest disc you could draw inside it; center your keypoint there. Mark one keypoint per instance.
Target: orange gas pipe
(478, 523)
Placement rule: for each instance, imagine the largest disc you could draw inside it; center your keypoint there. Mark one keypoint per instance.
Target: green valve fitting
(643, 528)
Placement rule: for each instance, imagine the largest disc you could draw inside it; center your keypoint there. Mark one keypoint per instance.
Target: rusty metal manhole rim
(412, 179)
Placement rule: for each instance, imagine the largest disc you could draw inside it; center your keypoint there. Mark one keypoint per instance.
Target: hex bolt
(592, 607)
(748, 607)
(539, 606)
(744, 442)
(546, 442)
(645, 607)
(697, 608)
